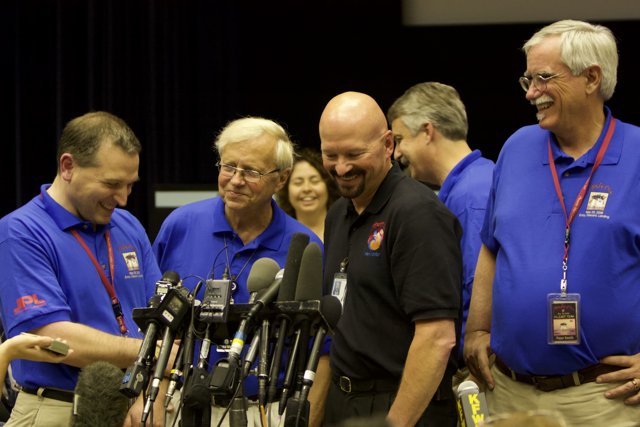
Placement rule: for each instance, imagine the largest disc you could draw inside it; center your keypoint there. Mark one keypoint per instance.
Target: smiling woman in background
(309, 191)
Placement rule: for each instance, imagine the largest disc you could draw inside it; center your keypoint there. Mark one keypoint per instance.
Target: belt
(350, 385)
(51, 393)
(555, 382)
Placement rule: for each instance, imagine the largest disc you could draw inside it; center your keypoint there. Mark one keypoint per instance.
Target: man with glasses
(554, 318)
(222, 237)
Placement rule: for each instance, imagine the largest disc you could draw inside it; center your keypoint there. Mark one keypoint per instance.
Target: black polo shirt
(404, 264)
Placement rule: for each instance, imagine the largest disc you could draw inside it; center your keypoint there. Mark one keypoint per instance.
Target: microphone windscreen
(98, 401)
(171, 277)
(468, 386)
(297, 244)
(331, 310)
(262, 273)
(309, 286)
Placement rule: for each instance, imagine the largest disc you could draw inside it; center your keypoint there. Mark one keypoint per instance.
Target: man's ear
(66, 166)
(594, 79)
(282, 178)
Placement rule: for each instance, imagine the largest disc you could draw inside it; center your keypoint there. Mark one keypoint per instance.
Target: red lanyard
(578, 202)
(109, 286)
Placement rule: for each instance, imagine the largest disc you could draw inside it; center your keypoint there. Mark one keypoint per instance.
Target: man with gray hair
(429, 124)
(223, 236)
(554, 319)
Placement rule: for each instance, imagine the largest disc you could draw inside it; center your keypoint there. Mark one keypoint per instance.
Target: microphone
(176, 304)
(286, 293)
(137, 375)
(97, 400)
(331, 310)
(309, 288)
(233, 358)
(298, 408)
(196, 402)
(250, 357)
(472, 405)
(261, 276)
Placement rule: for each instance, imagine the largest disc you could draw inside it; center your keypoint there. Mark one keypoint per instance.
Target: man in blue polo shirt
(556, 294)
(429, 124)
(224, 236)
(74, 266)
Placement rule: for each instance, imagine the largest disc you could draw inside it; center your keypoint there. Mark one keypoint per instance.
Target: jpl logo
(25, 302)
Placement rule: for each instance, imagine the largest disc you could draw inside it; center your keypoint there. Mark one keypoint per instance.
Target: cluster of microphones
(277, 336)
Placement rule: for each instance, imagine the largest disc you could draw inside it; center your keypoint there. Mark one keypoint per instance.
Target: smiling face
(95, 191)
(257, 154)
(560, 102)
(307, 190)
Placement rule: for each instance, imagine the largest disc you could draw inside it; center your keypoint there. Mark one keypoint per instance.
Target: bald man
(397, 248)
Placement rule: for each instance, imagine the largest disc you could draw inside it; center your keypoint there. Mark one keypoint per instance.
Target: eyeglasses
(248, 175)
(539, 81)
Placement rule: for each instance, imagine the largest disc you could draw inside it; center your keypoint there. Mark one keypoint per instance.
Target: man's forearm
(91, 345)
(424, 369)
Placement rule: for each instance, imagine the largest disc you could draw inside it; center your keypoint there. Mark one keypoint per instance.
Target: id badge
(339, 289)
(563, 318)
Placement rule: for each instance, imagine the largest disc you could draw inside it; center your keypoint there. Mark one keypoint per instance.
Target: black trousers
(369, 409)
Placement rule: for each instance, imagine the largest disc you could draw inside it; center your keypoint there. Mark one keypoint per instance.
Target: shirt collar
(384, 191)
(611, 157)
(454, 175)
(270, 238)
(62, 217)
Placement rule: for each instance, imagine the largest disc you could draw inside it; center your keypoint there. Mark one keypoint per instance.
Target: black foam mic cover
(298, 243)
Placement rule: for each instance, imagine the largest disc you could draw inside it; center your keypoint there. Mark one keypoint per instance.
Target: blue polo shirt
(48, 277)
(197, 242)
(524, 226)
(465, 192)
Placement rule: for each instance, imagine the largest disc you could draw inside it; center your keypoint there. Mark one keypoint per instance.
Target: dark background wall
(177, 71)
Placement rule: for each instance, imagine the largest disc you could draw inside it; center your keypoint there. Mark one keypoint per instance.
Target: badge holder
(339, 288)
(563, 319)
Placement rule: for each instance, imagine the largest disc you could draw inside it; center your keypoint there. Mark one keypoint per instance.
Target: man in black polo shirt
(397, 247)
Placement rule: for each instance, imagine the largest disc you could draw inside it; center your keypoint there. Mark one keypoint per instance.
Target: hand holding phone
(56, 346)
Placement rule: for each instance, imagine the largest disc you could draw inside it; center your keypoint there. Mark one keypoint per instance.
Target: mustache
(541, 100)
(353, 172)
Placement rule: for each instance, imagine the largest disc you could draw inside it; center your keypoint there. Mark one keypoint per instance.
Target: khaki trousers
(581, 406)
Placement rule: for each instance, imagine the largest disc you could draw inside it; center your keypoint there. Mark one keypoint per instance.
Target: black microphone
(331, 310)
(298, 407)
(97, 400)
(196, 402)
(137, 375)
(472, 405)
(184, 359)
(308, 288)
(252, 352)
(298, 243)
(177, 304)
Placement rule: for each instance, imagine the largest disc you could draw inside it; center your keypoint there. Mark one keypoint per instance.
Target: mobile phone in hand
(57, 347)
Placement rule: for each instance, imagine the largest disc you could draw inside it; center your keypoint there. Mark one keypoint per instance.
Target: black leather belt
(51, 393)
(350, 385)
(555, 382)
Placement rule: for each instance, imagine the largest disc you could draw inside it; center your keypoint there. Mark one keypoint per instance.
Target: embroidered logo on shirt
(131, 261)
(26, 302)
(374, 242)
(597, 202)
